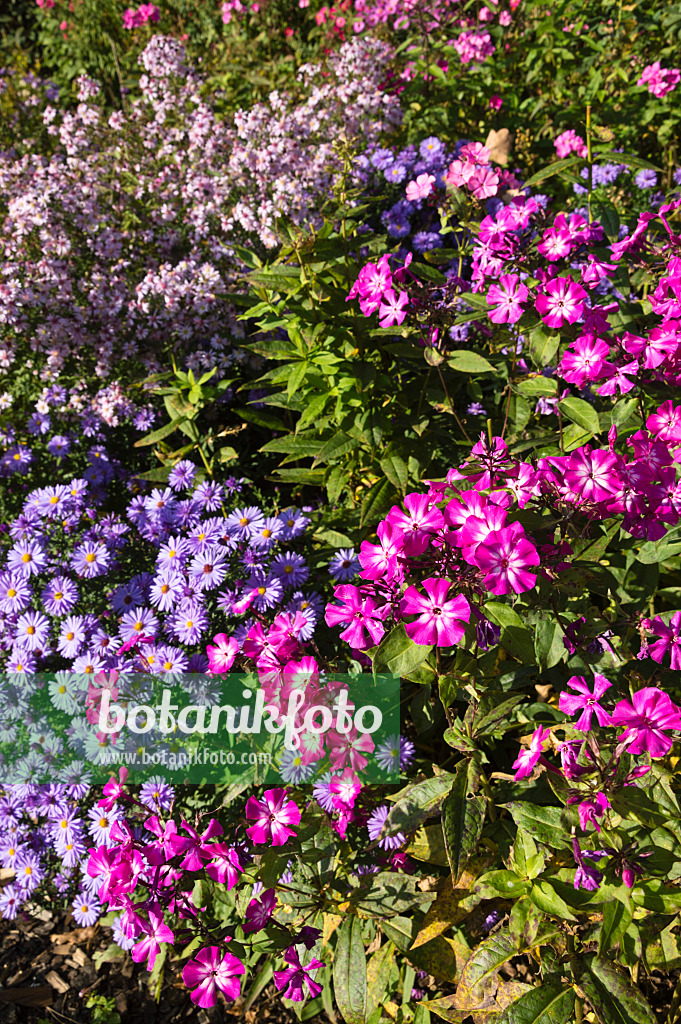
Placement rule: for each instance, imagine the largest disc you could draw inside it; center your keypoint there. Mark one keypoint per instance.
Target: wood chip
(57, 983)
(76, 936)
(79, 958)
(499, 145)
(63, 950)
(40, 995)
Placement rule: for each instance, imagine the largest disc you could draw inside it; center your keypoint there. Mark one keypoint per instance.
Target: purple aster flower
(72, 636)
(375, 825)
(15, 593)
(170, 661)
(476, 409)
(60, 596)
(322, 792)
(90, 559)
(120, 938)
(88, 664)
(157, 793)
(204, 535)
(173, 554)
(17, 459)
(28, 872)
(27, 557)
(646, 179)
(431, 147)
(11, 900)
(268, 534)
(138, 622)
(244, 522)
(426, 240)
(207, 570)
(290, 568)
(86, 910)
(59, 446)
(269, 593)
(294, 523)
(22, 662)
(209, 495)
(166, 589)
(190, 624)
(32, 631)
(395, 173)
(159, 501)
(344, 565)
(182, 475)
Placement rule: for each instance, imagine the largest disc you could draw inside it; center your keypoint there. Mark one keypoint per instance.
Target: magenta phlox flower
(213, 970)
(168, 839)
(381, 560)
(584, 360)
(557, 241)
(665, 423)
(294, 981)
(392, 310)
(259, 911)
(349, 749)
(561, 302)
(669, 642)
(592, 473)
(344, 790)
(618, 378)
(273, 816)
(646, 717)
(505, 557)
(590, 810)
(586, 701)
(659, 80)
(361, 612)
(198, 849)
(527, 759)
(418, 520)
(484, 183)
(225, 867)
(155, 932)
(507, 297)
(113, 789)
(373, 280)
(570, 142)
(439, 621)
(221, 653)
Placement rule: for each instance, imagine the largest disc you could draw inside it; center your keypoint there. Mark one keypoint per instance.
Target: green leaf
(552, 1003)
(545, 824)
(428, 845)
(552, 169)
(548, 644)
(463, 817)
(350, 972)
(581, 413)
(397, 654)
(470, 362)
(378, 974)
(296, 377)
(158, 435)
(312, 411)
(378, 499)
(339, 444)
(612, 996)
(302, 446)
(396, 470)
(536, 387)
(545, 897)
(616, 920)
(543, 346)
(227, 453)
(260, 417)
(478, 976)
(488, 722)
(516, 638)
(417, 802)
(629, 160)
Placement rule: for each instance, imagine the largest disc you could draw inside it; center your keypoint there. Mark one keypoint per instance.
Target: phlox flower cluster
(659, 80)
(145, 12)
(593, 773)
(570, 142)
(146, 870)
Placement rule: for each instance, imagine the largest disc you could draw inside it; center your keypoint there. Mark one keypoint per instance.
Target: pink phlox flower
(259, 911)
(168, 839)
(391, 310)
(381, 560)
(584, 360)
(198, 849)
(484, 183)
(561, 302)
(569, 142)
(213, 970)
(439, 621)
(669, 642)
(155, 932)
(592, 474)
(344, 790)
(294, 981)
(225, 866)
(585, 701)
(221, 653)
(421, 188)
(507, 296)
(459, 173)
(417, 521)
(476, 152)
(113, 789)
(590, 810)
(373, 280)
(362, 613)
(505, 557)
(527, 759)
(665, 423)
(596, 270)
(349, 749)
(659, 80)
(273, 816)
(646, 716)
(476, 529)
(618, 378)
